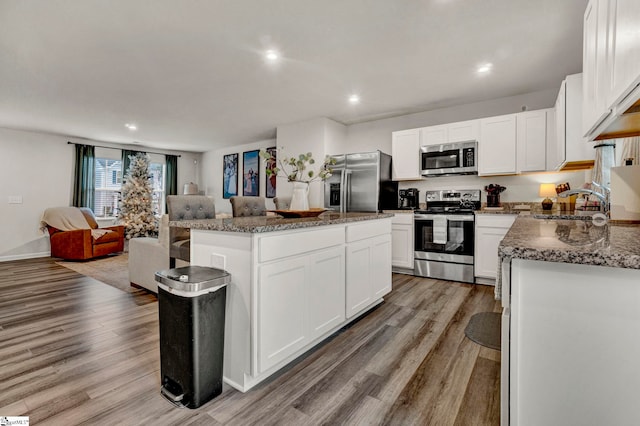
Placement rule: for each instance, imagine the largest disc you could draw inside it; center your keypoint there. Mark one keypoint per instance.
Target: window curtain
(126, 162)
(631, 149)
(84, 183)
(171, 177)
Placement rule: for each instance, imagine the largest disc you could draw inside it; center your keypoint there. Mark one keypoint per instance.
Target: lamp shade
(190, 189)
(547, 190)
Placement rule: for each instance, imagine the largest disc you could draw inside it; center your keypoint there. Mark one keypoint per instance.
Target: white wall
(376, 134)
(211, 172)
(321, 137)
(519, 188)
(39, 167)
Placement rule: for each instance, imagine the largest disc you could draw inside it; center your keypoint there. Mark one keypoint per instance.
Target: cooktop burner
(453, 201)
(451, 210)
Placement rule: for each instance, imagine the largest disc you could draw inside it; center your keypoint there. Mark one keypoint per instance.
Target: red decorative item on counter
(493, 194)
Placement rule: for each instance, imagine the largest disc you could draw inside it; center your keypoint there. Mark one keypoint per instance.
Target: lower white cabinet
(368, 266)
(490, 230)
(402, 241)
(570, 345)
(289, 288)
(299, 299)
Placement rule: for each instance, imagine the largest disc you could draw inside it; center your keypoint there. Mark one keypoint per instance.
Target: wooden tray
(300, 213)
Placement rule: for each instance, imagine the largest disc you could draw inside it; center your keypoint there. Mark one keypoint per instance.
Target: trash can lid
(193, 278)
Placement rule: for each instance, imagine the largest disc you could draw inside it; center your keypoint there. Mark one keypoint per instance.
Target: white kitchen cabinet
(556, 153)
(497, 145)
(568, 148)
(289, 287)
(463, 131)
(326, 291)
(281, 310)
(490, 230)
(531, 141)
(596, 65)
(570, 344)
(434, 135)
(380, 265)
(625, 48)
(405, 151)
(368, 267)
(402, 241)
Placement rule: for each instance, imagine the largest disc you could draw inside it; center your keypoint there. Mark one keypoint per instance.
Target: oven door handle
(450, 217)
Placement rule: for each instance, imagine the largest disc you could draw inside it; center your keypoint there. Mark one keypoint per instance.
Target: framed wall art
(230, 175)
(251, 173)
(270, 181)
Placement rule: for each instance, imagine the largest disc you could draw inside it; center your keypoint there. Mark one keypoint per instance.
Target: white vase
(300, 196)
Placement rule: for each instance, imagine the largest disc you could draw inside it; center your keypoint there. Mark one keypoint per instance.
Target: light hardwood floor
(77, 351)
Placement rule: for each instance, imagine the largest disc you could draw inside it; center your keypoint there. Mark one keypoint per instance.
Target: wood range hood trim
(624, 122)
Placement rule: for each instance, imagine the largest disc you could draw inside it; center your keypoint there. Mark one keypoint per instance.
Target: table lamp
(547, 190)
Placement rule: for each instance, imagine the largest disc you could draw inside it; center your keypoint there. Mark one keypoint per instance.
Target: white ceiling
(191, 75)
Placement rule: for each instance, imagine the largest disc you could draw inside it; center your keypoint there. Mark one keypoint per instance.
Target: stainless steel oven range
(444, 235)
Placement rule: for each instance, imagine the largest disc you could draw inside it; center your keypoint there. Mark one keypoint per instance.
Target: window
(108, 182)
(156, 172)
(107, 186)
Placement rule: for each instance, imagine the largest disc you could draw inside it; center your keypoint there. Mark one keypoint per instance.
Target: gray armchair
(282, 203)
(186, 207)
(248, 206)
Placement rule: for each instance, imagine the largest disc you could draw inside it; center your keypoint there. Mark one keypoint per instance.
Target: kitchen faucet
(603, 197)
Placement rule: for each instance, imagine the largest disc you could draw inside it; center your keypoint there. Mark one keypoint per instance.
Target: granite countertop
(573, 241)
(259, 224)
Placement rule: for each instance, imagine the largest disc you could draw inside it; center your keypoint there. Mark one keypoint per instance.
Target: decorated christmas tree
(136, 212)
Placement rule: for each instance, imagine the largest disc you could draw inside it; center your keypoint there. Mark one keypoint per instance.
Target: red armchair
(88, 241)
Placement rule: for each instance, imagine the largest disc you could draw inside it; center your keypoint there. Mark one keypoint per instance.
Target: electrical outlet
(15, 199)
(218, 261)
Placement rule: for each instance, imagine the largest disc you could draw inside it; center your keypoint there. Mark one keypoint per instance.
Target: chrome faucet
(603, 197)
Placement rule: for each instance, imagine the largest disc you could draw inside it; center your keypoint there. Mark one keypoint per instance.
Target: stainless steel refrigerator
(361, 183)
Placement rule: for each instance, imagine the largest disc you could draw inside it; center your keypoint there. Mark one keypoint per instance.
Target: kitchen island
(571, 322)
(295, 281)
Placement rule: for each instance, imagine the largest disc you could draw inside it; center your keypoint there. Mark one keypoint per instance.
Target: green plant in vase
(298, 170)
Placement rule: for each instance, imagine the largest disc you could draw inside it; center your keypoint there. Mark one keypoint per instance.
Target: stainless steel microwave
(459, 158)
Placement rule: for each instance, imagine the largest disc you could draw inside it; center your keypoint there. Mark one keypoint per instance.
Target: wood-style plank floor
(76, 351)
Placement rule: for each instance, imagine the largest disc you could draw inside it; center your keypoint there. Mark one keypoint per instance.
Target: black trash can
(191, 308)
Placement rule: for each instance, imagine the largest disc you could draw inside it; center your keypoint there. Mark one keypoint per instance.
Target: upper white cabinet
(531, 141)
(461, 131)
(405, 150)
(611, 64)
(497, 145)
(625, 48)
(595, 64)
(567, 148)
(434, 135)
(464, 131)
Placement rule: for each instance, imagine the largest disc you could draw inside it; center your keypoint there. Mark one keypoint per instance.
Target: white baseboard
(25, 256)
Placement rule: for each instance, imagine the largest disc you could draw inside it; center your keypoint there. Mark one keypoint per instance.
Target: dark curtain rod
(110, 147)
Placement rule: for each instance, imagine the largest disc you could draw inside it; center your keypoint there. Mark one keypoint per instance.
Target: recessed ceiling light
(131, 126)
(485, 68)
(271, 55)
(354, 99)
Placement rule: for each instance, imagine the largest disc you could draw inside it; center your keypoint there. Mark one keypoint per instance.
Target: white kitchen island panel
(574, 345)
(289, 283)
